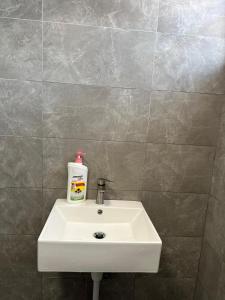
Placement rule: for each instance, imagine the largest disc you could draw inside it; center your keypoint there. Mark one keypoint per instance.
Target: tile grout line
(45, 188)
(113, 87)
(104, 141)
(155, 47)
(115, 28)
(146, 144)
(196, 237)
(201, 248)
(42, 140)
(150, 98)
(207, 207)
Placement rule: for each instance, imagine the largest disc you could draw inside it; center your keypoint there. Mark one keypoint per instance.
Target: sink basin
(115, 237)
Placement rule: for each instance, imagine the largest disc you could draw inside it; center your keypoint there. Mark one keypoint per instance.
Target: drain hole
(99, 235)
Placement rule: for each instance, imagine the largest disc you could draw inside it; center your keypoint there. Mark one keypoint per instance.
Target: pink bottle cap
(79, 157)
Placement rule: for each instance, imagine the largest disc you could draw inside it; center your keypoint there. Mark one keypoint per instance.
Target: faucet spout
(101, 190)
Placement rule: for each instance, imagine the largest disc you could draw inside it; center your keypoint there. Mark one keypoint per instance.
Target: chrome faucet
(101, 190)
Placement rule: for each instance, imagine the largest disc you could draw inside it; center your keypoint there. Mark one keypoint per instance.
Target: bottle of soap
(77, 179)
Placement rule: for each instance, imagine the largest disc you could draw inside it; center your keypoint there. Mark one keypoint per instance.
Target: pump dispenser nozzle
(79, 157)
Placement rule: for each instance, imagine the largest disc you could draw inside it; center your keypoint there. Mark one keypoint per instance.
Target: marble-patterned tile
(20, 287)
(176, 214)
(99, 113)
(74, 54)
(18, 255)
(147, 288)
(218, 178)
(113, 194)
(180, 257)
(221, 138)
(24, 9)
(20, 108)
(215, 224)
(20, 211)
(76, 275)
(58, 152)
(49, 198)
(127, 14)
(204, 17)
(118, 288)
(189, 63)
(209, 270)
(64, 289)
(200, 292)
(20, 162)
(184, 118)
(21, 52)
(178, 168)
(104, 159)
(221, 286)
(125, 168)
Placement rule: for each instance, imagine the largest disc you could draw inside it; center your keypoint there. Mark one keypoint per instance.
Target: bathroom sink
(115, 237)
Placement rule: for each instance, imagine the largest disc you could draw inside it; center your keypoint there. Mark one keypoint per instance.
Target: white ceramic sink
(67, 242)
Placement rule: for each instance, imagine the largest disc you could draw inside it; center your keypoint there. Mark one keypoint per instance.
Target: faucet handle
(102, 181)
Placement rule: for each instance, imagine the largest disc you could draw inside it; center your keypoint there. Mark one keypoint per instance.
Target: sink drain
(99, 235)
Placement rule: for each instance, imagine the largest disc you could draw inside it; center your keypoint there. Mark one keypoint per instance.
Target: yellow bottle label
(77, 189)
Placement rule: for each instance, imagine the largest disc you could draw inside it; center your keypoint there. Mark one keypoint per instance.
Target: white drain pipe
(96, 277)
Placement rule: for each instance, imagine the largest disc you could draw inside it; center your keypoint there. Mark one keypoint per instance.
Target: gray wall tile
(49, 198)
(21, 287)
(164, 288)
(117, 288)
(58, 152)
(127, 14)
(203, 17)
(176, 214)
(178, 168)
(64, 288)
(209, 270)
(20, 211)
(88, 53)
(218, 179)
(20, 53)
(200, 293)
(221, 286)
(215, 224)
(188, 63)
(114, 194)
(20, 108)
(184, 118)
(18, 255)
(125, 60)
(221, 139)
(21, 162)
(180, 257)
(100, 113)
(104, 159)
(24, 9)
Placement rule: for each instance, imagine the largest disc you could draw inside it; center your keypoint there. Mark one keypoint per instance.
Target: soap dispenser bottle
(77, 179)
